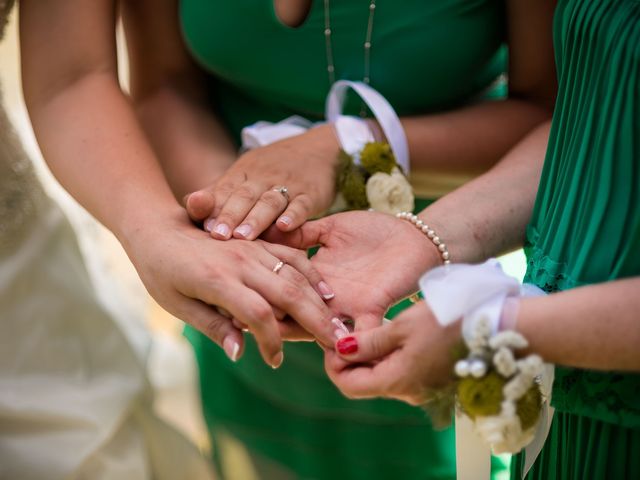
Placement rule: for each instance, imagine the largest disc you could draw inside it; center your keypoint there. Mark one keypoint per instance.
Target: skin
(95, 145)
(241, 202)
(409, 357)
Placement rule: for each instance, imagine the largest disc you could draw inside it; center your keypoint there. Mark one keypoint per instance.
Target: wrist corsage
(506, 398)
(373, 179)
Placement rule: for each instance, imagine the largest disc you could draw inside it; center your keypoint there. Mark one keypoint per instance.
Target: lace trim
(21, 196)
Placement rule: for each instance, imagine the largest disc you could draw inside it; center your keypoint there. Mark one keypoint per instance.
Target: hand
(190, 275)
(372, 260)
(243, 203)
(404, 359)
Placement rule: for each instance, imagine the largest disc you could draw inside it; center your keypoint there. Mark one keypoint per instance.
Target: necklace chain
(331, 69)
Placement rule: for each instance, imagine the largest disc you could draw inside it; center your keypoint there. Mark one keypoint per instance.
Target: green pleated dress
(586, 228)
(426, 57)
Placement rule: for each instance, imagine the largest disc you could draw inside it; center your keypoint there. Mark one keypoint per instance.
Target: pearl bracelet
(429, 232)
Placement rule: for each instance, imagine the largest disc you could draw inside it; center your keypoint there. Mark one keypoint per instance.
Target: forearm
(593, 327)
(93, 144)
(473, 138)
(488, 216)
(193, 147)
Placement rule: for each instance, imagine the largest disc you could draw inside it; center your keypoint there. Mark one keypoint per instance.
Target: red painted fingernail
(347, 345)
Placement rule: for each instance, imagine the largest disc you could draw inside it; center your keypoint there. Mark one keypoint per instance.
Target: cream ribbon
(472, 292)
(382, 111)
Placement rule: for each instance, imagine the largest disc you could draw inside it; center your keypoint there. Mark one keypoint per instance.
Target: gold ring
(282, 190)
(278, 266)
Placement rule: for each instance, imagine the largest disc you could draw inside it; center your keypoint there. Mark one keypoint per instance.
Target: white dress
(75, 402)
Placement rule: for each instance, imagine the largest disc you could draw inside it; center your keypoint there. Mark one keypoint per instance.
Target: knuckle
(260, 312)
(214, 329)
(297, 278)
(245, 192)
(304, 204)
(272, 200)
(292, 293)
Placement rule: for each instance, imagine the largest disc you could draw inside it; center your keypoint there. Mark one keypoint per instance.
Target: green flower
(481, 397)
(354, 190)
(377, 157)
(528, 407)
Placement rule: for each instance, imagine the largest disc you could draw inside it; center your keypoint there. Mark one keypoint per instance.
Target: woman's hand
(244, 201)
(195, 278)
(404, 359)
(372, 260)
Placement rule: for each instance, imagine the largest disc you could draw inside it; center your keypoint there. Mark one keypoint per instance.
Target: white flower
(503, 433)
(390, 193)
(504, 362)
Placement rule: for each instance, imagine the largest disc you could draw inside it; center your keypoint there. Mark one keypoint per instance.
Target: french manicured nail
(326, 291)
(244, 230)
(339, 333)
(284, 220)
(341, 326)
(208, 224)
(347, 345)
(222, 230)
(231, 348)
(277, 360)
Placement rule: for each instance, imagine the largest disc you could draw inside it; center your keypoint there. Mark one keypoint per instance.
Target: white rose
(389, 193)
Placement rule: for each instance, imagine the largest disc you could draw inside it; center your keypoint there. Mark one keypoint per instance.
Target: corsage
(506, 398)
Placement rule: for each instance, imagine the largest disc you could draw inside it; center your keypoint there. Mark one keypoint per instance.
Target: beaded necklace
(331, 70)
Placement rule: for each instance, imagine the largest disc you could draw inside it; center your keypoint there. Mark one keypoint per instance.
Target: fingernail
(326, 291)
(231, 348)
(339, 333)
(244, 230)
(338, 323)
(277, 360)
(222, 230)
(347, 345)
(285, 220)
(208, 225)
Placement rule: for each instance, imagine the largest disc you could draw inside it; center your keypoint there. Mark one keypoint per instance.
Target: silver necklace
(331, 69)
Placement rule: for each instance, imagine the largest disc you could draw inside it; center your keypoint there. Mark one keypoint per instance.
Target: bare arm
(169, 95)
(473, 138)
(593, 327)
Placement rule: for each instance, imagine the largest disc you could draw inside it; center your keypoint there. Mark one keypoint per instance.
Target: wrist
(137, 224)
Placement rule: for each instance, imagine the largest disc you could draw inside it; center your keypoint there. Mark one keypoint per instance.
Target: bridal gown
(75, 402)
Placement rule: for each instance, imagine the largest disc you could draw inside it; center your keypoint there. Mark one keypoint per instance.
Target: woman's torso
(425, 56)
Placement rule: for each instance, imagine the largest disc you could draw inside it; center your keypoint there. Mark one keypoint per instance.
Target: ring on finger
(278, 266)
(282, 190)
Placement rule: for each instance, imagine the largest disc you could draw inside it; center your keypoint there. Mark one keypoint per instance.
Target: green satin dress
(426, 57)
(586, 228)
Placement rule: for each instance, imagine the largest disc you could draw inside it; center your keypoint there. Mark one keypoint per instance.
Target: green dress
(586, 227)
(426, 56)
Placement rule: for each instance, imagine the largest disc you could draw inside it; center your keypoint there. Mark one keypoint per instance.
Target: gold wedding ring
(282, 190)
(278, 266)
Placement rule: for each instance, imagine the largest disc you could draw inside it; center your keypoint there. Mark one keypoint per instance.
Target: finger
(298, 259)
(308, 235)
(290, 291)
(218, 328)
(297, 212)
(372, 344)
(254, 312)
(360, 380)
(199, 204)
(265, 211)
(292, 331)
(234, 209)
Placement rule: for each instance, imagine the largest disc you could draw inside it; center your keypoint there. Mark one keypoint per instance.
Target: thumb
(199, 204)
(309, 234)
(367, 345)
